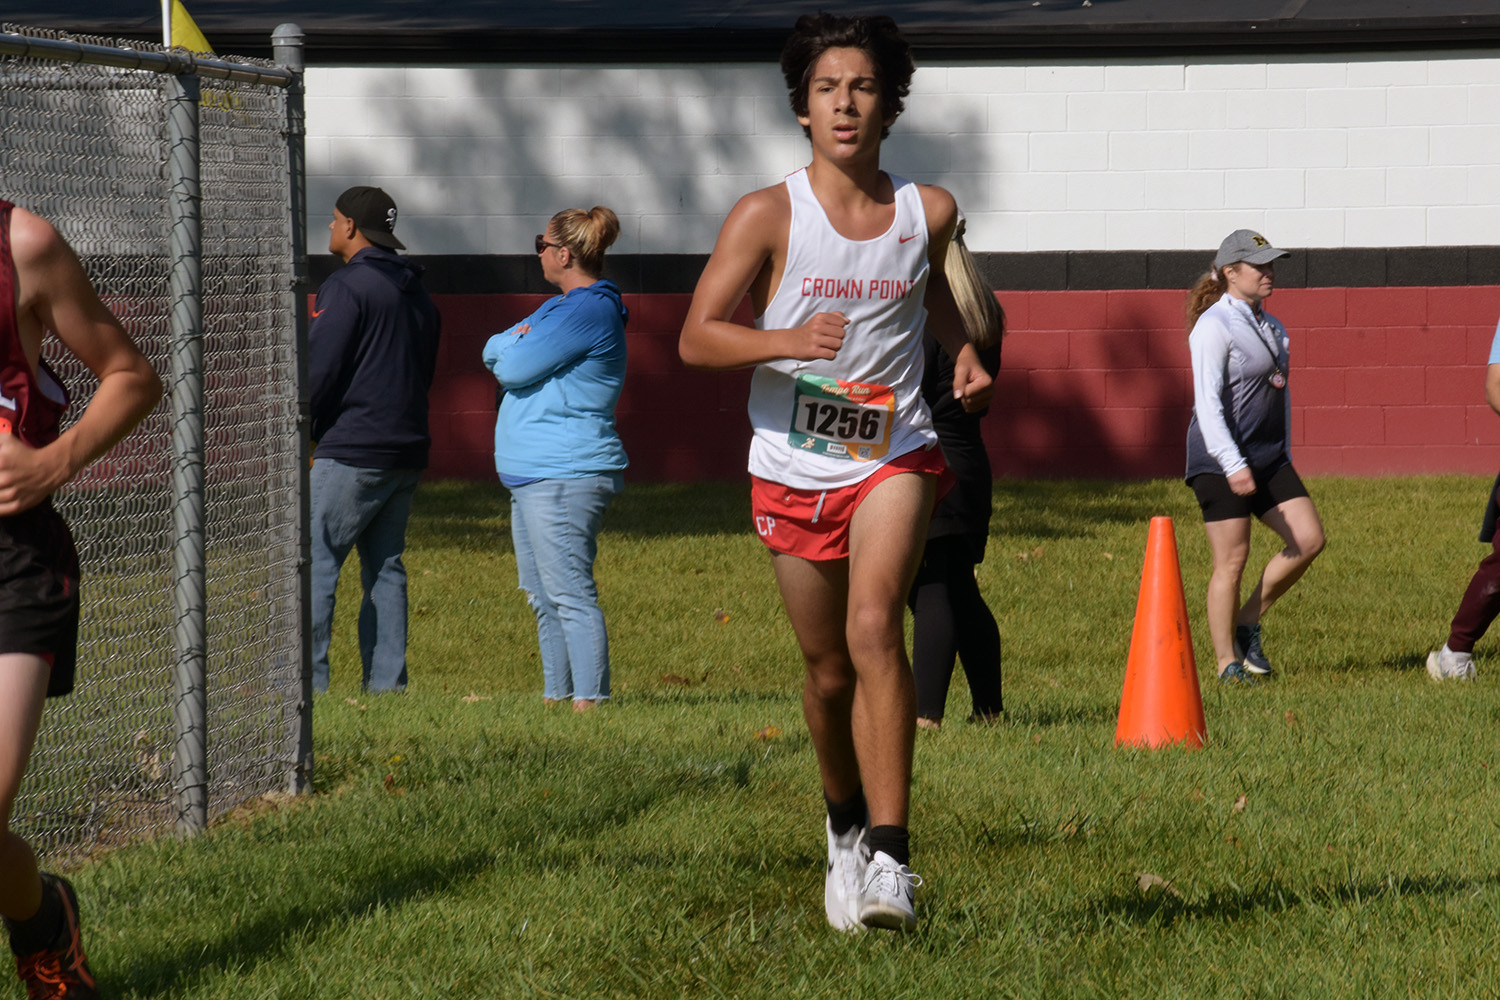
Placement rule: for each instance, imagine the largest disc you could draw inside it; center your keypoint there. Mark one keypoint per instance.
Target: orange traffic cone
(1161, 703)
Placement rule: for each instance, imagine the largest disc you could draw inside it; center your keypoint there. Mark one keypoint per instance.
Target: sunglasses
(542, 244)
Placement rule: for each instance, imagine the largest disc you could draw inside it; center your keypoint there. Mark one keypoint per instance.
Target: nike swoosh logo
(906, 239)
(318, 312)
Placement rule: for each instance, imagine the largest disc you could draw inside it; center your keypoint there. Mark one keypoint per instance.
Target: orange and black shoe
(62, 971)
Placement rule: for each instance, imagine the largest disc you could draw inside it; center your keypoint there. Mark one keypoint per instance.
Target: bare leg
(886, 537)
(23, 691)
(1296, 521)
(1229, 542)
(815, 595)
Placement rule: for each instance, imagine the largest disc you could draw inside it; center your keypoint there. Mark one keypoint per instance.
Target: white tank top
(826, 424)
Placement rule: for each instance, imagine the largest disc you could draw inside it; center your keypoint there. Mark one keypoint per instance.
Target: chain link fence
(91, 147)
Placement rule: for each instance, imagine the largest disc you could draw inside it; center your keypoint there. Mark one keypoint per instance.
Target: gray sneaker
(1446, 665)
(1247, 637)
(886, 895)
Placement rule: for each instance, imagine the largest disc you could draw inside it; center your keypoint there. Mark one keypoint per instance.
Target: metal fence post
(286, 43)
(189, 572)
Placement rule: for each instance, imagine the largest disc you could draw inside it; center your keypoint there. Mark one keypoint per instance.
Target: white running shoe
(1446, 665)
(847, 856)
(885, 899)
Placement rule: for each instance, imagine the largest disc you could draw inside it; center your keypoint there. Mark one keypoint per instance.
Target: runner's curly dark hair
(876, 35)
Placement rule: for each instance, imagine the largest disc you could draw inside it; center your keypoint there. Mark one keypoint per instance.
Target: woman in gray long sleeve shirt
(1239, 448)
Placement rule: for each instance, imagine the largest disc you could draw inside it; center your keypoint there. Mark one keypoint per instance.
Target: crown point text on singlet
(856, 288)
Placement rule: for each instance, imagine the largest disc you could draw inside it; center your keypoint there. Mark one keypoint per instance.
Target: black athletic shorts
(39, 591)
(1219, 503)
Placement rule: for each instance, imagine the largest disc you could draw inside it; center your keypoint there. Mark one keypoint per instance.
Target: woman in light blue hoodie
(556, 448)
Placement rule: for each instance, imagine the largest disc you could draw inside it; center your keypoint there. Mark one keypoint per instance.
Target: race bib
(842, 419)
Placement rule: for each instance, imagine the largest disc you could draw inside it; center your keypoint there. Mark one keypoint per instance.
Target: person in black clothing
(949, 614)
(373, 350)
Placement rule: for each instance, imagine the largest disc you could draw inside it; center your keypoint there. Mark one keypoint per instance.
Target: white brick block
(945, 114)
(1465, 144)
(1168, 110)
(1208, 229)
(1460, 68)
(715, 115)
(1144, 230)
(1030, 191)
(1268, 109)
(319, 153)
(1069, 151)
(499, 157)
(1028, 113)
(1374, 71)
(1248, 189)
(392, 157)
(427, 234)
(679, 233)
(1387, 147)
(604, 156)
(1065, 78)
(359, 82)
(971, 190)
(1483, 185)
(773, 116)
(987, 80)
(1106, 191)
(930, 79)
(1483, 104)
(664, 83)
(488, 195)
(1307, 148)
(996, 232)
(1227, 149)
(1429, 185)
(1385, 227)
(337, 117)
(1346, 108)
(1297, 72)
(1153, 150)
(1185, 189)
(1106, 112)
(1348, 188)
(1065, 231)
(917, 155)
(1226, 73)
(997, 152)
(1427, 105)
(458, 83)
(773, 156)
(1470, 225)
(1294, 228)
(1145, 75)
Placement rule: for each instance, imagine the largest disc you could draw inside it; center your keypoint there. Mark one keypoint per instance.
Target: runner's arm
(972, 385)
(56, 295)
(747, 245)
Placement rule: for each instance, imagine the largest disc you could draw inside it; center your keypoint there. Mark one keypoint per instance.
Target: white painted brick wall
(1145, 153)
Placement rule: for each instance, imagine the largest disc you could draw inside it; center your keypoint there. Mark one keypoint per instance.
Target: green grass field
(1338, 837)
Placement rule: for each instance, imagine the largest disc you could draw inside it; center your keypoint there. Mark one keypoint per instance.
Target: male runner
(844, 267)
(43, 288)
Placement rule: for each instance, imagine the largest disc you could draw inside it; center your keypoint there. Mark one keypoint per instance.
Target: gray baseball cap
(1246, 245)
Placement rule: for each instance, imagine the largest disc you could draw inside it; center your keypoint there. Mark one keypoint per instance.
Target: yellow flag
(185, 33)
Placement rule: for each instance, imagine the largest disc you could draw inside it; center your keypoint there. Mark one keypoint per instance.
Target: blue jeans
(365, 509)
(554, 525)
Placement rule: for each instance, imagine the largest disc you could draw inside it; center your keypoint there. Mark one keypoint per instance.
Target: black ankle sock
(893, 840)
(845, 816)
(41, 929)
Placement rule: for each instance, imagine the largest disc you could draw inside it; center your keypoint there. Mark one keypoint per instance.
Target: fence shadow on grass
(1159, 906)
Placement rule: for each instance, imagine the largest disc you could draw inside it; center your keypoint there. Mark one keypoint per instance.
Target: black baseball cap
(373, 213)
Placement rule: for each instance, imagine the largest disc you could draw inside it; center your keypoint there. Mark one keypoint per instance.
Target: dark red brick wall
(1385, 381)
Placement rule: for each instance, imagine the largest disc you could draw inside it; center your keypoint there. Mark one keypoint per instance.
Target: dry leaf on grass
(768, 733)
(721, 616)
(473, 696)
(1240, 803)
(1146, 882)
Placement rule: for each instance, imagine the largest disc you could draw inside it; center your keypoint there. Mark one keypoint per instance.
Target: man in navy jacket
(373, 348)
